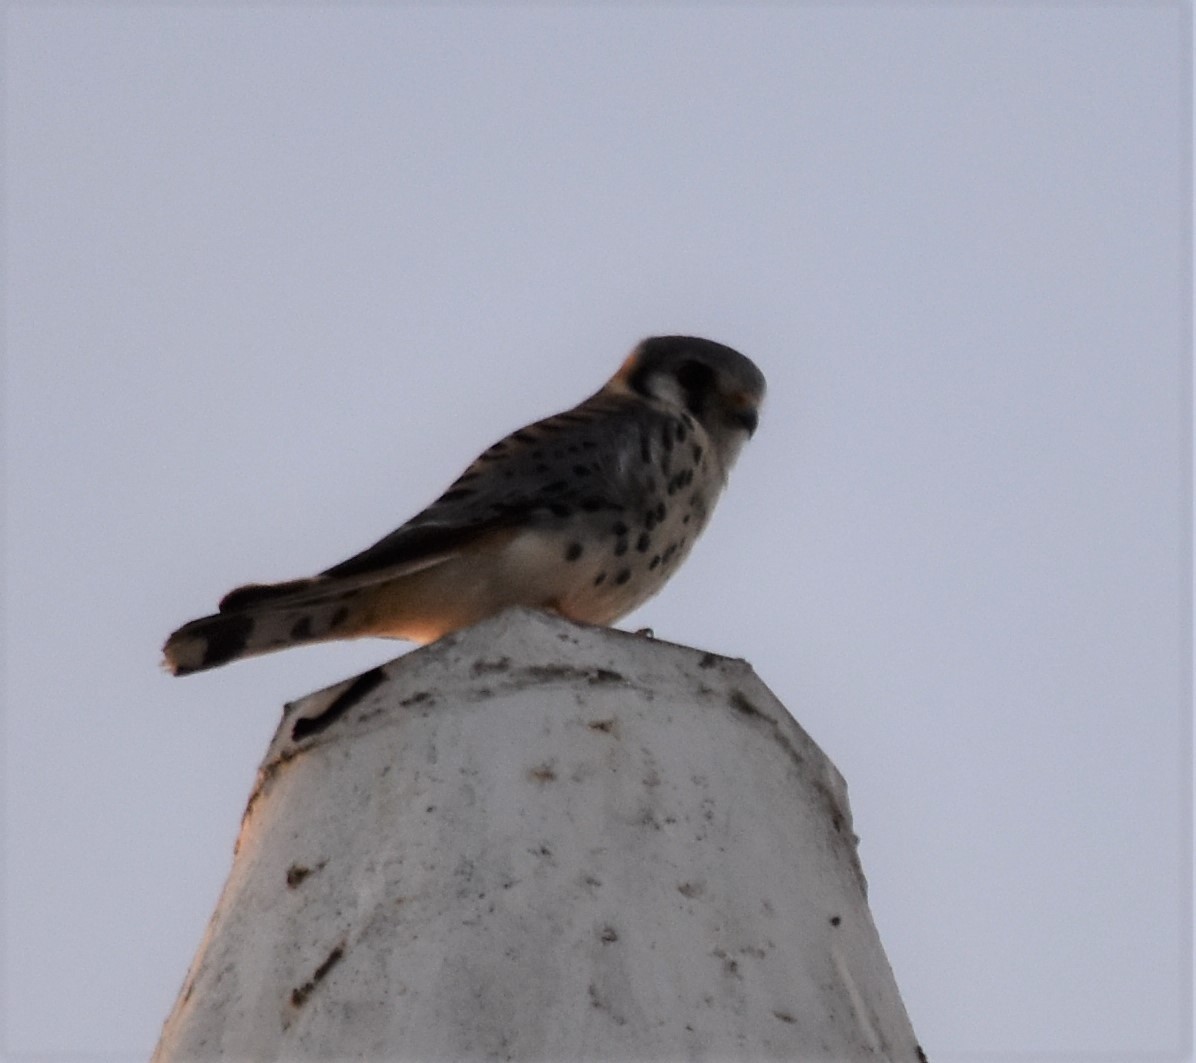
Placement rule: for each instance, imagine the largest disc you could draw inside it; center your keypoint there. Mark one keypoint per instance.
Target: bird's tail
(260, 619)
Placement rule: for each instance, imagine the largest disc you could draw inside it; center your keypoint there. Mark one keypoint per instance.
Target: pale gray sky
(273, 275)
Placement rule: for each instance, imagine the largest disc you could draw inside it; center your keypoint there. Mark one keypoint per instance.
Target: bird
(585, 514)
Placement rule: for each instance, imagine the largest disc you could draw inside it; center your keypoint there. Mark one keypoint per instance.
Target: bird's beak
(748, 419)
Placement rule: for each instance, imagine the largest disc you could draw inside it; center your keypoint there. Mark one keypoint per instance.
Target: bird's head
(719, 387)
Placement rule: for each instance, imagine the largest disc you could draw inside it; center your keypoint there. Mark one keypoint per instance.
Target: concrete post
(534, 840)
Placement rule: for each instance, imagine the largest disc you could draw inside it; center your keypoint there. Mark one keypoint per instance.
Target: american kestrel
(586, 514)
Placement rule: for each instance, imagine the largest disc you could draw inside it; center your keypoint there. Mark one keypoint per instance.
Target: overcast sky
(273, 275)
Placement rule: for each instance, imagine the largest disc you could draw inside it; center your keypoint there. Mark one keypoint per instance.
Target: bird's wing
(579, 460)
(589, 459)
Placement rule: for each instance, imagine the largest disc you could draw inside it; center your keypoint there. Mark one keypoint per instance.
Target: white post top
(535, 840)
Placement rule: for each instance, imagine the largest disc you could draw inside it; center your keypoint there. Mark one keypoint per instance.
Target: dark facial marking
(698, 382)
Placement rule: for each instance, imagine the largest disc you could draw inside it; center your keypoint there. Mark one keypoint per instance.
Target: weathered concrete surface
(535, 840)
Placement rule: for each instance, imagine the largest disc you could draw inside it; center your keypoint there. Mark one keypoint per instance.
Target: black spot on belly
(682, 479)
(599, 579)
(697, 453)
(623, 576)
(619, 528)
(667, 556)
(573, 551)
(621, 547)
(643, 542)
